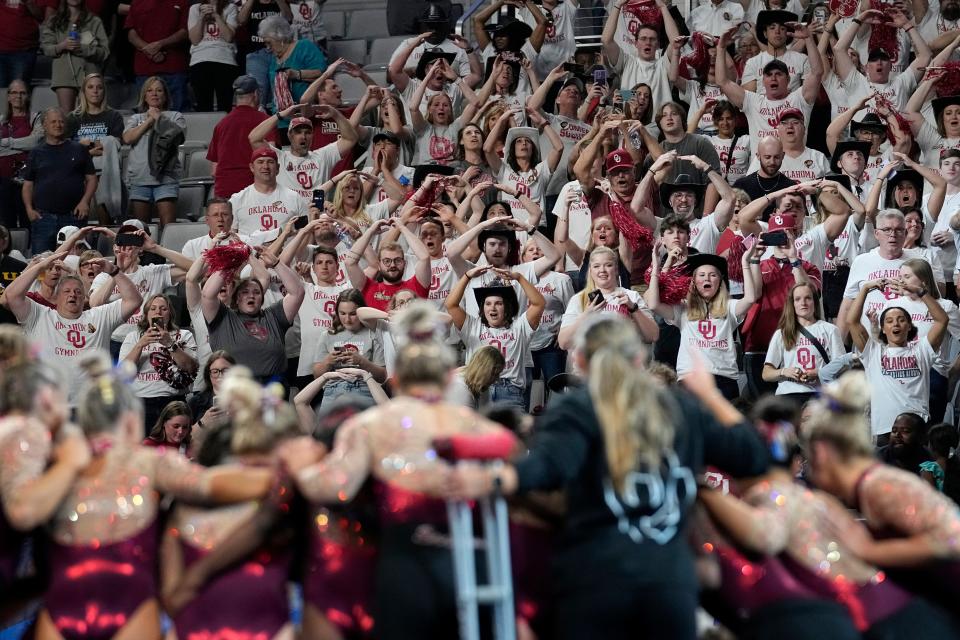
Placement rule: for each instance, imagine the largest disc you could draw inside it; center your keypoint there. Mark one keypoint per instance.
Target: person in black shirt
(629, 453)
(10, 268)
(767, 179)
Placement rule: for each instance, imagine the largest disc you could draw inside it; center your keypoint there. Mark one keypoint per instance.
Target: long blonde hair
(360, 216)
(698, 308)
(591, 285)
(483, 369)
(839, 416)
(631, 406)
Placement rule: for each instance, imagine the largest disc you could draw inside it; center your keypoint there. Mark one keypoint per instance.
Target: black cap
(878, 54)
(421, 171)
(776, 65)
(767, 18)
(389, 136)
(698, 260)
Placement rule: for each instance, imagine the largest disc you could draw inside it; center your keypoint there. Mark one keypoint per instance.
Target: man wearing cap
(642, 63)
(393, 178)
(779, 272)
(768, 178)
(774, 31)
(876, 76)
(265, 206)
(436, 21)
(59, 183)
(449, 81)
(229, 149)
(800, 163)
(715, 17)
(301, 169)
(763, 111)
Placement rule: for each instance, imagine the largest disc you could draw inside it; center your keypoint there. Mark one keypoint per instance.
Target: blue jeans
(258, 66)
(177, 88)
(503, 392)
(16, 65)
(43, 232)
(337, 388)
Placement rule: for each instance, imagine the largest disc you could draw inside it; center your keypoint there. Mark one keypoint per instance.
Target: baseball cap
(245, 84)
(132, 225)
(619, 159)
(575, 81)
(790, 113)
(781, 221)
(300, 121)
(775, 65)
(66, 232)
(878, 54)
(388, 136)
(263, 152)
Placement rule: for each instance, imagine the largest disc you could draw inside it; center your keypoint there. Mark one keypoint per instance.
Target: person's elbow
(23, 514)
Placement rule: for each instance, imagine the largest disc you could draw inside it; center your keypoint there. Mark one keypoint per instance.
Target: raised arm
(858, 333)
(210, 295)
(811, 82)
(422, 269)
(535, 300)
(752, 282)
(16, 293)
(610, 47)
(839, 126)
(457, 315)
(129, 294)
(352, 260)
(734, 92)
(652, 295)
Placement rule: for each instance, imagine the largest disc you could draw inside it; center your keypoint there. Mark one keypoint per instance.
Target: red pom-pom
(699, 59)
(639, 236)
(734, 255)
(884, 36)
(674, 284)
(949, 83)
(228, 258)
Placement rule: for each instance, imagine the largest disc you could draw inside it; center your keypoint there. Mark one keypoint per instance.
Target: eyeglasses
(216, 373)
(391, 261)
(891, 231)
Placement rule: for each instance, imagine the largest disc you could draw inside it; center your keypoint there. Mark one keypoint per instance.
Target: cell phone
(300, 222)
(318, 197)
(595, 296)
(155, 322)
(774, 238)
(749, 241)
(626, 95)
(600, 76)
(573, 67)
(129, 240)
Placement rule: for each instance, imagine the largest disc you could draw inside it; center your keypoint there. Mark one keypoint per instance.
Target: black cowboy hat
(941, 103)
(514, 64)
(498, 232)
(848, 145)
(840, 178)
(904, 175)
(421, 171)
(429, 57)
(510, 27)
(695, 261)
(773, 16)
(871, 121)
(683, 183)
(511, 304)
(434, 14)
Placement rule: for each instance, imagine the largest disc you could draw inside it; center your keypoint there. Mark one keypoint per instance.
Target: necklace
(764, 189)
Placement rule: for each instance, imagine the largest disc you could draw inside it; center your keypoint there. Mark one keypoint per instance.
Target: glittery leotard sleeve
(341, 473)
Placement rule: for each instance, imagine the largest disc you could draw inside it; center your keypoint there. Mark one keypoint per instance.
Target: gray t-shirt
(138, 164)
(255, 341)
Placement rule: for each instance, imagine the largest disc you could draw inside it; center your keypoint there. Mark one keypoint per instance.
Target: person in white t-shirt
(733, 150)
(763, 111)
(709, 317)
(800, 162)
(164, 355)
(302, 169)
(437, 131)
(943, 134)
(213, 54)
(500, 323)
(793, 360)
(149, 279)
(773, 34)
(897, 368)
(265, 206)
(603, 295)
(715, 16)
(549, 359)
(67, 334)
(850, 159)
(521, 168)
(641, 62)
(219, 219)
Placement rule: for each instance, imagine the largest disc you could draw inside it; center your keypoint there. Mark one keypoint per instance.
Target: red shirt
(39, 299)
(154, 20)
(19, 30)
(763, 317)
(378, 294)
(231, 150)
(327, 131)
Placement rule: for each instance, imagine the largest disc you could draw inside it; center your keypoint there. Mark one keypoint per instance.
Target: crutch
(494, 545)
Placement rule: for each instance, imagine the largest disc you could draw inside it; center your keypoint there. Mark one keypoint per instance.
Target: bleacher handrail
(467, 14)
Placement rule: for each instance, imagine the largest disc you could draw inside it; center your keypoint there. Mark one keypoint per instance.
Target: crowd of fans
(767, 195)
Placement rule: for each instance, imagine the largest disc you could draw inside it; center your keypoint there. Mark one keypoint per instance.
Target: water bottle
(635, 140)
(344, 237)
(74, 33)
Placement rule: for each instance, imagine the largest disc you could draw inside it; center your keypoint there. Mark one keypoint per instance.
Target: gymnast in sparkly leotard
(104, 537)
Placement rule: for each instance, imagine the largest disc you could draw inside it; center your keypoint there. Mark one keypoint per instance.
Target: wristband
(636, 308)
(469, 50)
(115, 271)
(908, 30)
(858, 22)
(796, 264)
(754, 260)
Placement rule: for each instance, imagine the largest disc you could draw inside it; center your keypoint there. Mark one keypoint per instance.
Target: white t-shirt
(437, 144)
(255, 212)
(932, 144)
(578, 216)
(899, 381)
(512, 341)
(654, 73)
(712, 338)
(898, 90)
(871, 266)
(557, 289)
(148, 383)
(442, 279)
(704, 234)
(193, 249)
(575, 306)
(212, 47)
(305, 174)
(797, 64)
(763, 114)
(451, 89)
(400, 171)
(65, 342)
(947, 253)
(934, 25)
(923, 321)
(845, 248)
(149, 279)
(526, 269)
(531, 183)
(460, 63)
(809, 165)
(715, 19)
(316, 318)
(559, 43)
(570, 131)
(741, 156)
(696, 97)
(804, 354)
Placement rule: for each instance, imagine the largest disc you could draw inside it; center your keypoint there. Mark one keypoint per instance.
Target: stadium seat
(20, 240)
(335, 22)
(353, 88)
(367, 24)
(353, 50)
(200, 124)
(383, 48)
(190, 202)
(197, 165)
(42, 98)
(176, 234)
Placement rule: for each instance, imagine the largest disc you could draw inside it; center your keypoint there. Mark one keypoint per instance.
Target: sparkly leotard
(104, 539)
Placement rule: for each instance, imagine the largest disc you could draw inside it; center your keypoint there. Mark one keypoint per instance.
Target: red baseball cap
(781, 221)
(790, 113)
(263, 152)
(300, 121)
(619, 159)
